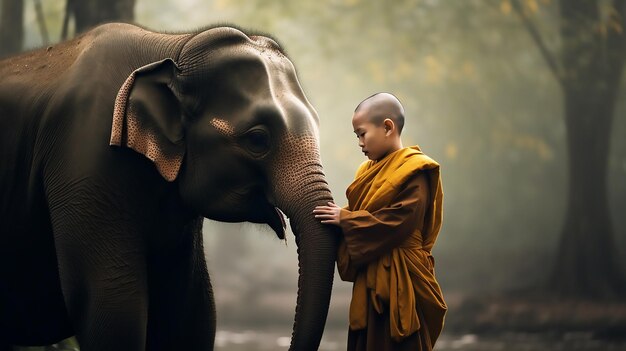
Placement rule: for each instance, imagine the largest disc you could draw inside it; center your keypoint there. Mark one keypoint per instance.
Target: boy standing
(390, 225)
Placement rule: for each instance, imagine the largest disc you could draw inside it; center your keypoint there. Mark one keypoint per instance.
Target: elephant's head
(228, 121)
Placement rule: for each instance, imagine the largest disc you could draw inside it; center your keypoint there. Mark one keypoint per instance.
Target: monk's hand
(328, 214)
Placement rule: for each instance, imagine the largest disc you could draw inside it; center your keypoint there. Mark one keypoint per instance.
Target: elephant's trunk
(317, 247)
(305, 188)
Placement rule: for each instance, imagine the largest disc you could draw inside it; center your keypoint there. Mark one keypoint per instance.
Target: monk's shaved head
(380, 106)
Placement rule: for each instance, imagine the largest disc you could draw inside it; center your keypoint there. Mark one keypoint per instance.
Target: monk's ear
(389, 125)
(148, 117)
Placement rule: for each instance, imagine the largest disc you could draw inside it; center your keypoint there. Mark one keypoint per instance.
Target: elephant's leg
(101, 258)
(182, 306)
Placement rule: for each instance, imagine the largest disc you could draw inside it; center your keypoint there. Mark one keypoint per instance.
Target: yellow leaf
(451, 151)
(221, 4)
(525, 142)
(433, 69)
(505, 7)
(617, 27)
(532, 6)
(544, 151)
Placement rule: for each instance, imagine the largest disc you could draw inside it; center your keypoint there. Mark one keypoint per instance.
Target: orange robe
(390, 226)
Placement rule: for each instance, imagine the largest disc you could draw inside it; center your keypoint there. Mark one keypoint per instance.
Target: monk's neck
(395, 147)
(398, 145)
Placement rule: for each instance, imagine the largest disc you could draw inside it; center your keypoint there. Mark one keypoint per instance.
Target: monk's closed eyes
(389, 227)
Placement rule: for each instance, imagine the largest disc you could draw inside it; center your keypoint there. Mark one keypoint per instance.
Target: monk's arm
(370, 235)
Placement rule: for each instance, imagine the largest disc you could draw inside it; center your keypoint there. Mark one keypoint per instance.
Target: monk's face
(374, 139)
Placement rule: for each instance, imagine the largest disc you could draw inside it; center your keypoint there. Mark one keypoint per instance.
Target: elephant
(115, 146)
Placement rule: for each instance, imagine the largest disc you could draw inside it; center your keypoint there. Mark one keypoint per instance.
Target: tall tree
(588, 67)
(11, 27)
(89, 13)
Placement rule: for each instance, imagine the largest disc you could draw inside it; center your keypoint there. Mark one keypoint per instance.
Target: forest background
(521, 102)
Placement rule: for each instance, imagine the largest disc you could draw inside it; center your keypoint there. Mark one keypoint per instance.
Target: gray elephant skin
(114, 146)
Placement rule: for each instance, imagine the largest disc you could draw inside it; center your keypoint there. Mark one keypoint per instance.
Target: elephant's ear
(147, 117)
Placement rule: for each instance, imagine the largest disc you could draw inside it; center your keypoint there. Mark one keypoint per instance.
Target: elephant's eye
(257, 140)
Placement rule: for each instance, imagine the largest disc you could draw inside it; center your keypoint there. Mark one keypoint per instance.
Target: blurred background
(521, 102)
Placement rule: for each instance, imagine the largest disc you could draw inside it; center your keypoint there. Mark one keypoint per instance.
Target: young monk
(390, 225)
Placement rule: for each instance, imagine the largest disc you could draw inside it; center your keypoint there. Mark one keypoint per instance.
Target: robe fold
(390, 226)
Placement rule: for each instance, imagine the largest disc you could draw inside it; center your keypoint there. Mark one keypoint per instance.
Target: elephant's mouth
(260, 208)
(277, 222)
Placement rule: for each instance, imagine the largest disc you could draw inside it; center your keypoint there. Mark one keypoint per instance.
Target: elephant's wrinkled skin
(113, 147)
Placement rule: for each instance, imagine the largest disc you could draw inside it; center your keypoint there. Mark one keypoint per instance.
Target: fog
(479, 98)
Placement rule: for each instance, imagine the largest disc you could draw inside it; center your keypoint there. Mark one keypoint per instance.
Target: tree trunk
(587, 263)
(90, 13)
(11, 27)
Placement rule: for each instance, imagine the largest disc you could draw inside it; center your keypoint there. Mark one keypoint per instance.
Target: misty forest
(522, 102)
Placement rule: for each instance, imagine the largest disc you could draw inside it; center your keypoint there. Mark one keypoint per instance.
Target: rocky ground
(533, 321)
(512, 322)
(538, 314)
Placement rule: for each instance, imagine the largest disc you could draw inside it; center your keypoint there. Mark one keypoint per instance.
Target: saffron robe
(390, 226)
